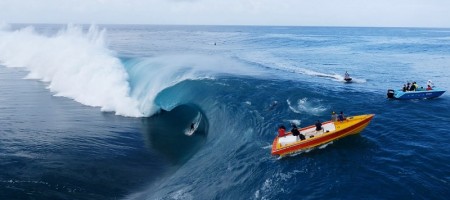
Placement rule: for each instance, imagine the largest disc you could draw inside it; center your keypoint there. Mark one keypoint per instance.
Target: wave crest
(75, 63)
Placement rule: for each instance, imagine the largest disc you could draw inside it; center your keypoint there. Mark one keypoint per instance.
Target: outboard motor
(390, 93)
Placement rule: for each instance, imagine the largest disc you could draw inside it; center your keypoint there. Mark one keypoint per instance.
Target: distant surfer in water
(273, 104)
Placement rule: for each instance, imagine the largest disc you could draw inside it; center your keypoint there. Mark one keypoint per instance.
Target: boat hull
(352, 125)
(420, 94)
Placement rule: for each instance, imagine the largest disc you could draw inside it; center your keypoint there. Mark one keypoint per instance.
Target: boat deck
(308, 132)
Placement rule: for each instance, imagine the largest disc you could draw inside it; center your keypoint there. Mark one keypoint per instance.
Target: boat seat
(287, 140)
(328, 127)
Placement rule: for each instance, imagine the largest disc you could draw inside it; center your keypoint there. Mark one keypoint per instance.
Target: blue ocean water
(101, 112)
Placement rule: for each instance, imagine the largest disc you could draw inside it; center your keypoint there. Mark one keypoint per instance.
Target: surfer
(272, 105)
(192, 126)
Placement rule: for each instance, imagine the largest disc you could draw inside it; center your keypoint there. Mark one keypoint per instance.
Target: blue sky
(384, 13)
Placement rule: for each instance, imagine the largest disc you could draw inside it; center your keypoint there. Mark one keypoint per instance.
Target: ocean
(103, 112)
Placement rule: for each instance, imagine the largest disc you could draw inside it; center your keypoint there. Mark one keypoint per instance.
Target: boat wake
(323, 146)
(267, 60)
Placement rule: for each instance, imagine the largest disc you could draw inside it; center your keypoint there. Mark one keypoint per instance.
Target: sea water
(100, 112)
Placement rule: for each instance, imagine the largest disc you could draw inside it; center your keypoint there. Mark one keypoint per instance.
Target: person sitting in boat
(413, 87)
(295, 132)
(333, 116)
(408, 86)
(430, 83)
(281, 131)
(318, 125)
(429, 87)
(417, 86)
(341, 116)
(404, 89)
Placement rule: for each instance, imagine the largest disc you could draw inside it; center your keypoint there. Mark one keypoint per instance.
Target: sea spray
(76, 64)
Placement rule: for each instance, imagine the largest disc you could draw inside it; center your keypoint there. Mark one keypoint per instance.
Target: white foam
(181, 194)
(273, 186)
(323, 146)
(304, 105)
(76, 64)
(297, 122)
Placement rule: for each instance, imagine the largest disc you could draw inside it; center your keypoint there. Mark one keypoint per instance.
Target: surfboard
(196, 122)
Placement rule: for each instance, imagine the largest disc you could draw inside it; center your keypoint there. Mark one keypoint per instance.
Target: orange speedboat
(331, 131)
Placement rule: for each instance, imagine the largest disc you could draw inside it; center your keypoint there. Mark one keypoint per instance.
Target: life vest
(281, 132)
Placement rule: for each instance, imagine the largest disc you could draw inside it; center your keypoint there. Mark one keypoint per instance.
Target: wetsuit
(318, 126)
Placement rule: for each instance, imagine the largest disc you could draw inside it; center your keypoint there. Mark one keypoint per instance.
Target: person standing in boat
(413, 87)
(333, 116)
(341, 116)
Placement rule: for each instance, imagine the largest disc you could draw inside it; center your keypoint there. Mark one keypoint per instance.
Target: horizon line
(249, 25)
